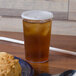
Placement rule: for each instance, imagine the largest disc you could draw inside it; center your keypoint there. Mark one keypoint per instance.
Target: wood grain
(16, 13)
(50, 5)
(57, 63)
(72, 9)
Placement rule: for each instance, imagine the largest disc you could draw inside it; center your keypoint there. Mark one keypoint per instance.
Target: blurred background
(64, 21)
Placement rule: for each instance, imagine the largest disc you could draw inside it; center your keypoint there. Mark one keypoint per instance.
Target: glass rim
(41, 14)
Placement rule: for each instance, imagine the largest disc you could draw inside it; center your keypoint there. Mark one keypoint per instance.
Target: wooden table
(58, 62)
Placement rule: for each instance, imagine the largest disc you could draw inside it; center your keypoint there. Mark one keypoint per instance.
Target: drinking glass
(37, 33)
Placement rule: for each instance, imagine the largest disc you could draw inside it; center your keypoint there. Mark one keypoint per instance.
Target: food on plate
(8, 65)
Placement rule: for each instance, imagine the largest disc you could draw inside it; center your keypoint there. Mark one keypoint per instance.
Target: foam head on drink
(37, 32)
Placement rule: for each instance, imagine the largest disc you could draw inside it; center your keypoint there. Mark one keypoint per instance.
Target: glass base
(36, 62)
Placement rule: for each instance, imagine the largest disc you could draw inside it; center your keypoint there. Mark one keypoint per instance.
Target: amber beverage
(37, 34)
